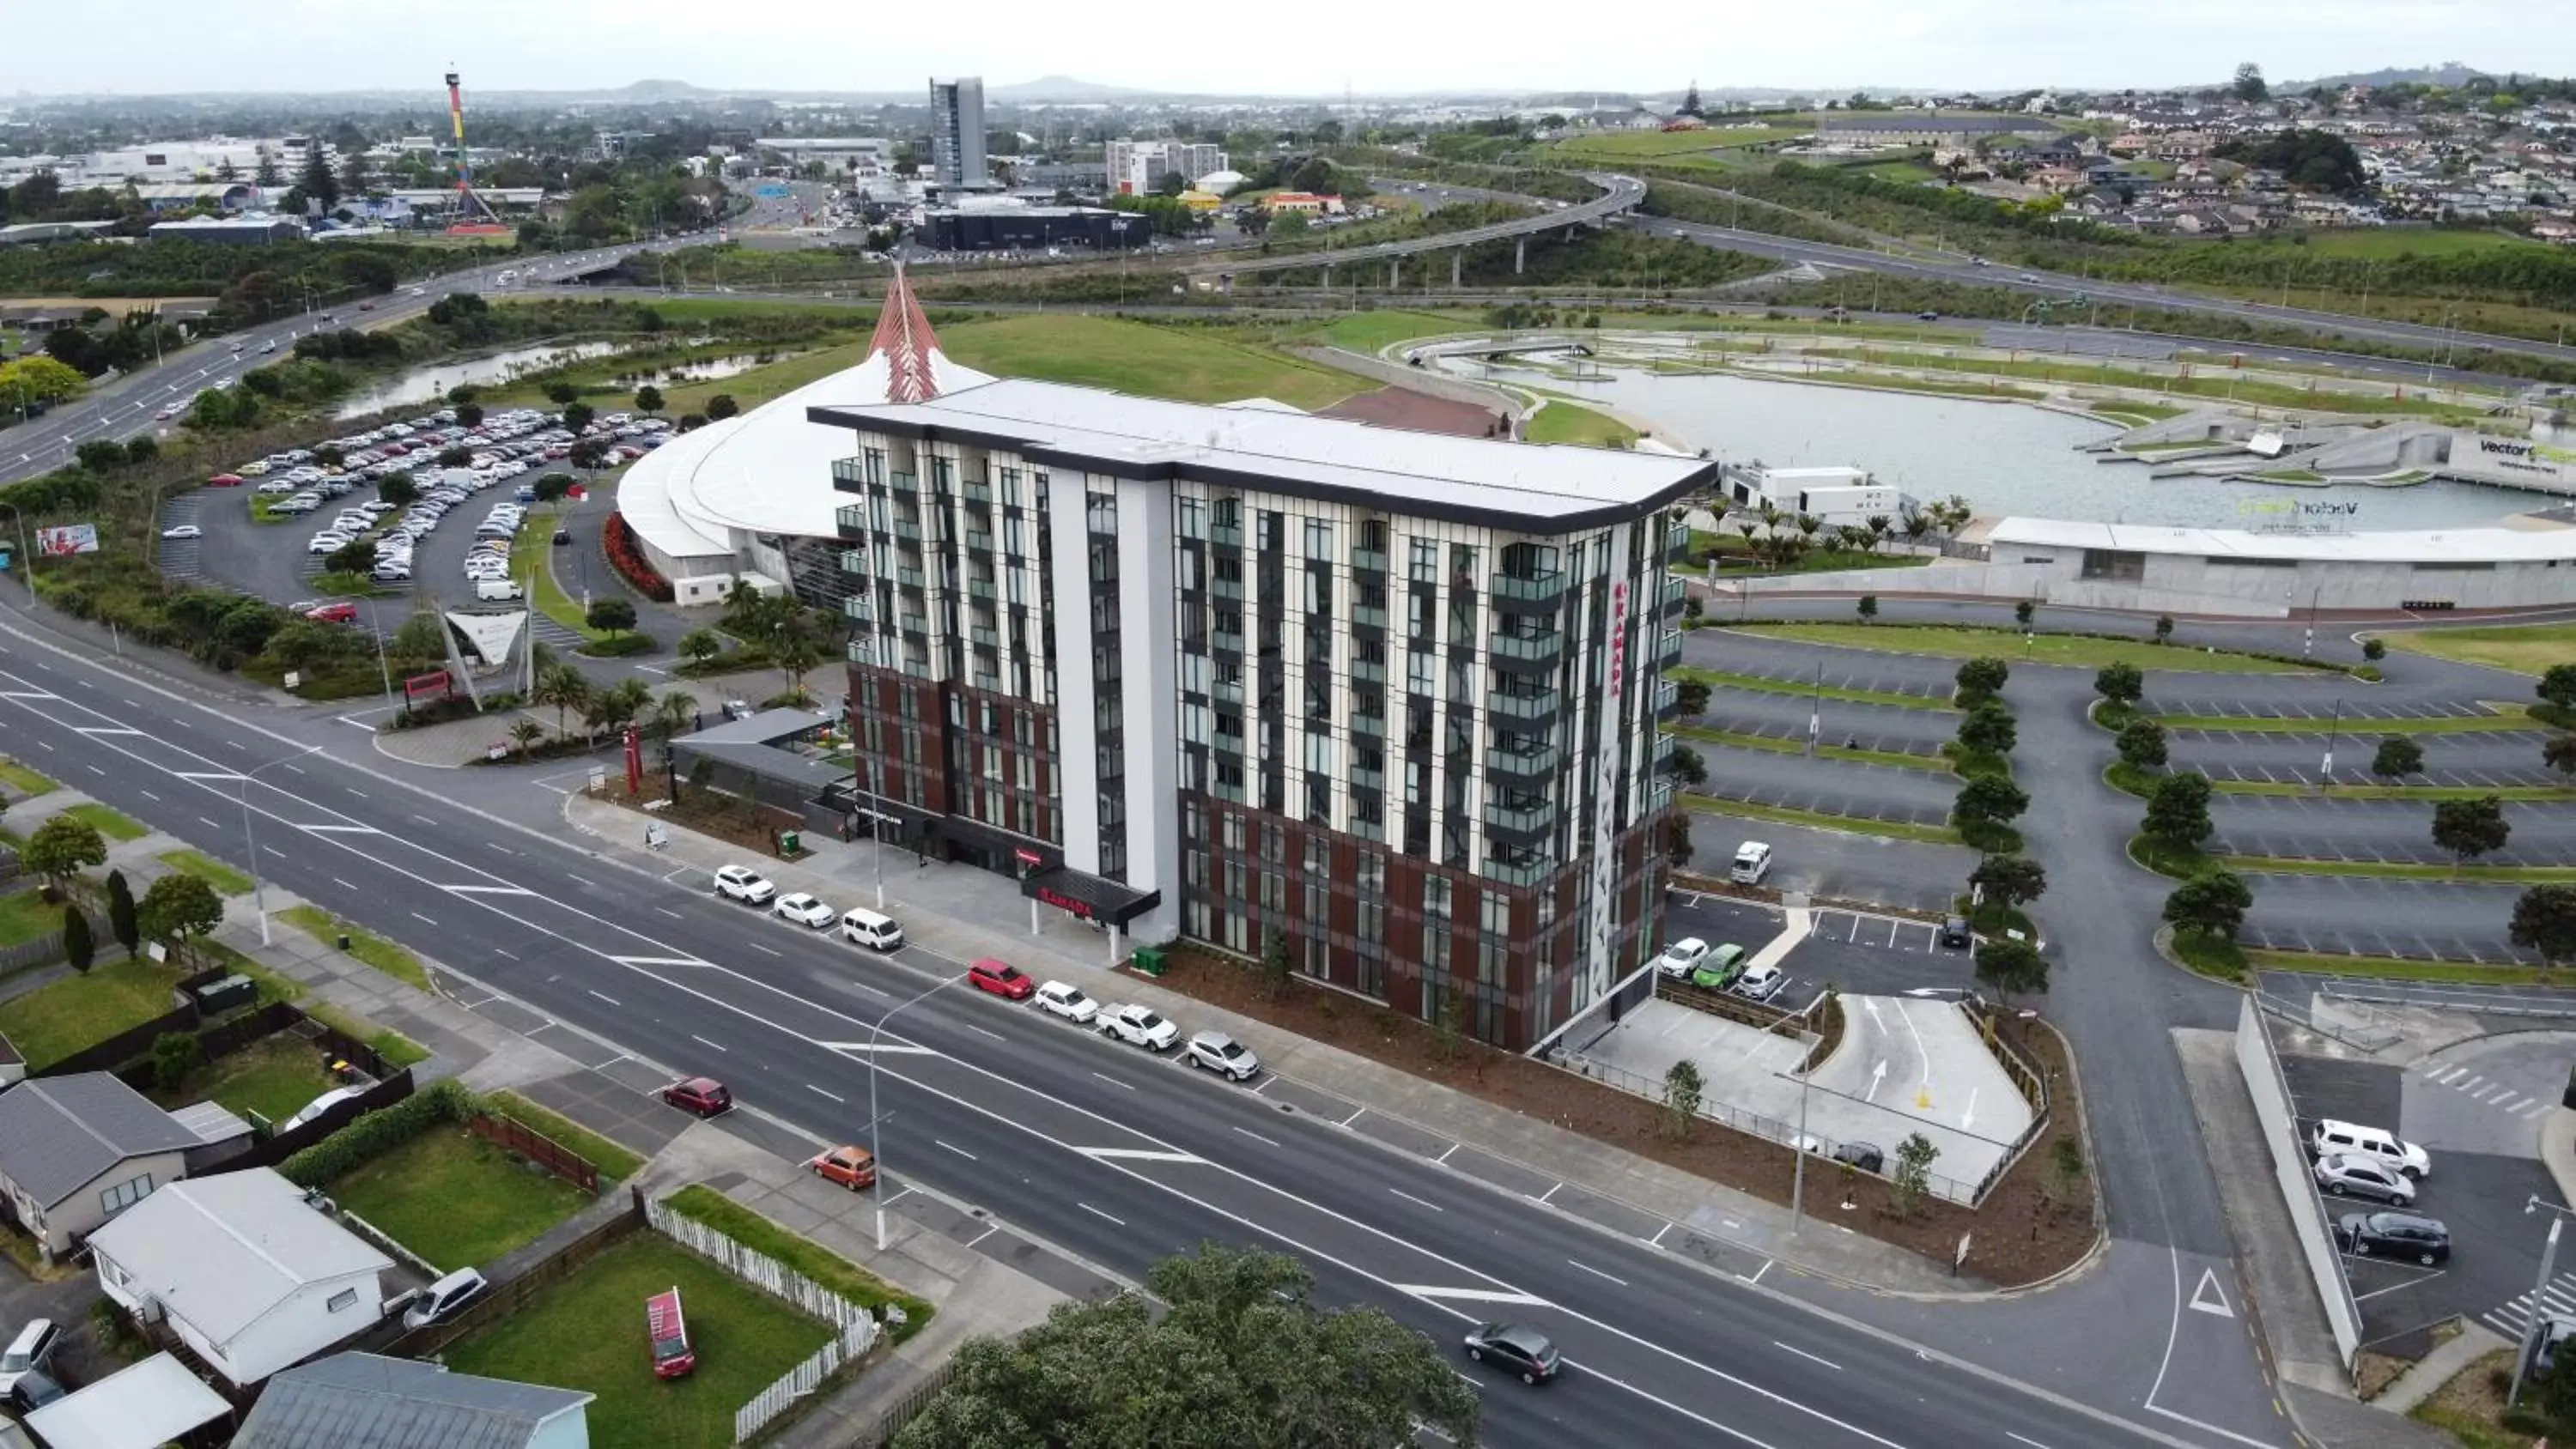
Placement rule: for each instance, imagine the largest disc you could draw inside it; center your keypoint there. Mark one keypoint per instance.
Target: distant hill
(660, 90)
(2448, 73)
(1064, 88)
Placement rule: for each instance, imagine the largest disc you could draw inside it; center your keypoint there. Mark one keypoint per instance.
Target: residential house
(250, 1275)
(77, 1150)
(156, 1402)
(393, 1403)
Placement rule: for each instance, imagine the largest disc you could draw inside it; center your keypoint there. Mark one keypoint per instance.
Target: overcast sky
(1320, 47)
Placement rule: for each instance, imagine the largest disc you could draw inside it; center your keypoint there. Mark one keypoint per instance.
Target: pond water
(2003, 459)
(427, 384)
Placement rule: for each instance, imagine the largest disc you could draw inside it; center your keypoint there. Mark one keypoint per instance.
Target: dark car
(1867, 1156)
(704, 1096)
(1956, 935)
(34, 1390)
(1516, 1346)
(2394, 1235)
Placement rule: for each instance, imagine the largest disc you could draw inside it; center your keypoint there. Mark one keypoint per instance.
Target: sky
(1319, 47)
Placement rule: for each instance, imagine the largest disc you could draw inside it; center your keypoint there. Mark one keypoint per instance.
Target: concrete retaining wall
(1420, 379)
(2271, 1093)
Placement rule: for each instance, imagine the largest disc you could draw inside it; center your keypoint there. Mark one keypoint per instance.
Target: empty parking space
(2366, 916)
(1800, 664)
(1881, 727)
(1829, 787)
(1838, 865)
(2543, 833)
(2322, 702)
(2479, 760)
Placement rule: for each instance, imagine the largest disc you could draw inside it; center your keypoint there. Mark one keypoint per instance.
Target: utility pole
(2325, 770)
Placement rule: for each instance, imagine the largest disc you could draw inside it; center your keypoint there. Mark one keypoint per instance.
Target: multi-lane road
(1115, 1156)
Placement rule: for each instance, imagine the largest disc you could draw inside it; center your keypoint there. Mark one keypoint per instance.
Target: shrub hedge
(380, 1132)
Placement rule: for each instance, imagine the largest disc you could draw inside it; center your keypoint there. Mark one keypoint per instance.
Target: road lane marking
(604, 996)
(764, 950)
(819, 1092)
(1141, 1154)
(2033, 1443)
(496, 845)
(1257, 1137)
(210, 825)
(674, 915)
(424, 920)
(1113, 1081)
(1355, 1116)
(1802, 1353)
(1430, 1293)
(702, 1041)
(1657, 1240)
(1597, 1273)
(1097, 1213)
(960, 1151)
(1543, 1197)
(979, 1031)
(1418, 1202)
(509, 955)
(1444, 1157)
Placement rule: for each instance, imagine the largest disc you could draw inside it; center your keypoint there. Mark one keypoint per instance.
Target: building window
(2116, 565)
(1319, 538)
(345, 1298)
(1425, 567)
(125, 1195)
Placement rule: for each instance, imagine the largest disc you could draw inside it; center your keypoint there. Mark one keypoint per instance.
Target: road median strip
(1715, 678)
(2507, 717)
(1929, 764)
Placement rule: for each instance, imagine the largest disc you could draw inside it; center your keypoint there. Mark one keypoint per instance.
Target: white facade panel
(1148, 655)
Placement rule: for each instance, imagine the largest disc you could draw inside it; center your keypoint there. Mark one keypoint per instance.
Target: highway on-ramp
(1619, 194)
(1115, 1156)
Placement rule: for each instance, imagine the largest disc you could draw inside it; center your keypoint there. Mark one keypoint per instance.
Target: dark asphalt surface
(1838, 865)
(2544, 833)
(1048, 1140)
(2498, 758)
(1833, 787)
(2358, 915)
(1793, 662)
(1886, 728)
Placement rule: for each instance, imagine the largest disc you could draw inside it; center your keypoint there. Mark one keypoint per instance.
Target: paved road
(128, 406)
(1837, 865)
(1886, 728)
(1618, 195)
(2355, 915)
(2497, 758)
(1115, 1156)
(1833, 787)
(2392, 830)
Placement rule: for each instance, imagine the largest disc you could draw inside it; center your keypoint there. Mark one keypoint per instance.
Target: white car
(742, 883)
(1759, 983)
(327, 543)
(1059, 998)
(806, 911)
(1138, 1026)
(184, 530)
(1216, 1052)
(1682, 957)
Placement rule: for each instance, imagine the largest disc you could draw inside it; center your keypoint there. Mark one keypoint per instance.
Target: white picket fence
(855, 1329)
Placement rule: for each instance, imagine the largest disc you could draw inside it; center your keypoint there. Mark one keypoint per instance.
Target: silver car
(2346, 1174)
(1216, 1052)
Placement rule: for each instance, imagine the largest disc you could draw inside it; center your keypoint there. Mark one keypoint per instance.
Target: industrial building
(244, 229)
(1023, 228)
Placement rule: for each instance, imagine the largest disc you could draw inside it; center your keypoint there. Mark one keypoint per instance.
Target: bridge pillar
(1456, 260)
(1394, 272)
(1328, 276)
(1520, 253)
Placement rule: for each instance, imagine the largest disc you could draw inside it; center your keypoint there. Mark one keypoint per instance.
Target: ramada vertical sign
(1605, 790)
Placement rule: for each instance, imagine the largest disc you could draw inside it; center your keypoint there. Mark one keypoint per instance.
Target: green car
(1720, 969)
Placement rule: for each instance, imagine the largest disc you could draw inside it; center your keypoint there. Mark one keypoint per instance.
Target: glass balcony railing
(1659, 796)
(1368, 616)
(854, 561)
(989, 638)
(1226, 588)
(1535, 647)
(977, 538)
(1230, 534)
(1669, 652)
(909, 578)
(863, 651)
(1229, 691)
(1224, 791)
(1665, 745)
(917, 665)
(1676, 543)
(1675, 592)
(849, 475)
(916, 623)
(904, 482)
(1371, 670)
(1369, 560)
(852, 521)
(978, 491)
(1522, 819)
(1521, 706)
(1372, 725)
(1668, 699)
(1222, 639)
(1534, 764)
(1363, 778)
(903, 529)
(980, 588)
(1543, 589)
(858, 609)
(1527, 872)
(1368, 829)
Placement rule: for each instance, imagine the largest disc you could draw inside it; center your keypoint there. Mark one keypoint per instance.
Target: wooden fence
(854, 1328)
(904, 1410)
(506, 1297)
(516, 1136)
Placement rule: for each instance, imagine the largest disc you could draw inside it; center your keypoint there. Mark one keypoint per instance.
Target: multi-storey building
(957, 133)
(1385, 700)
(1135, 166)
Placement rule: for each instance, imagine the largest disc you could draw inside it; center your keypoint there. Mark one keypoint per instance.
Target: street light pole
(876, 1152)
(2540, 1286)
(1798, 1190)
(1816, 711)
(2308, 645)
(2325, 771)
(258, 893)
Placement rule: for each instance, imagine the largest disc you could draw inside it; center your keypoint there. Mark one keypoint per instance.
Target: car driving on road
(742, 883)
(1138, 1026)
(1517, 1347)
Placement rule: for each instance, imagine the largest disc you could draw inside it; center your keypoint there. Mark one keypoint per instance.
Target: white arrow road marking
(1968, 1118)
(1136, 1154)
(1471, 1295)
(1877, 1074)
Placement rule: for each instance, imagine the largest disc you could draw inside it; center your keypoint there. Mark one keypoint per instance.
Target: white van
(2334, 1137)
(1752, 863)
(872, 930)
(499, 588)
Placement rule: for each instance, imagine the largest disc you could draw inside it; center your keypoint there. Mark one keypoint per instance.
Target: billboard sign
(67, 539)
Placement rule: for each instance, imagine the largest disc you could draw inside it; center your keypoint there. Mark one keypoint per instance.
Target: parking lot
(1889, 729)
(2488, 760)
(1909, 875)
(2295, 826)
(2294, 697)
(1853, 951)
(2367, 916)
(1831, 787)
(1795, 663)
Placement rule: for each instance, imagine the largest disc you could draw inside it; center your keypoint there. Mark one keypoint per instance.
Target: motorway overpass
(1619, 195)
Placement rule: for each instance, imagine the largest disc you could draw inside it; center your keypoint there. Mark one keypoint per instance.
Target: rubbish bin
(790, 842)
(1148, 959)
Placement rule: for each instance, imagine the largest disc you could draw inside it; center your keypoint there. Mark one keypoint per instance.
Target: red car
(1000, 979)
(668, 1329)
(225, 480)
(851, 1167)
(342, 612)
(703, 1096)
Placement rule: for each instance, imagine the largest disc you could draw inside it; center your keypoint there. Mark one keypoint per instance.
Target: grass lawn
(24, 916)
(1565, 422)
(107, 822)
(1366, 332)
(222, 877)
(586, 1332)
(806, 1256)
(1849, 824)
(2074, 650)
(456, 1199)
(1890, 758)
(23, 780)
(276, 1076)
(614, 1162)
(1148, 361)
(2526, 649)
(2506, 717)
(754, 386)
(56, 1020)
(375, 950)
(1650, 145)
(1717, 677)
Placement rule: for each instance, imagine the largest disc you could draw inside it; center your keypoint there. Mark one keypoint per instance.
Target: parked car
(339, 611)
(704, 1096)
(445, 1298)
(851, 1167)
(184, 530)
(30, 1351)
(320, 1105)
(1759, 983)
(1001, 979)
(1719, 969)
(1059, 998)
(742, 883)
(804, 910)
(2350, 1174)
(2333, 1136)
(2394, 1235)
(1214, 1051)
(1138, 1026)
(1864, 1156)
(1682, 957)
(1517, 1347)
(1955, 934)
(34, 1390)
(1752, 862)
(666, 1327)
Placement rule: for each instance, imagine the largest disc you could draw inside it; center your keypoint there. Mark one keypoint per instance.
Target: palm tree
(701, 645)
(671, 714)
(796, 652)
(564, 688)
(525, 732)
(614, 707)
(1915, 525)
(1808, 523)
(1878, 526)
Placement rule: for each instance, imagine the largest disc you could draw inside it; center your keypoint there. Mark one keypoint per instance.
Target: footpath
(960, 914)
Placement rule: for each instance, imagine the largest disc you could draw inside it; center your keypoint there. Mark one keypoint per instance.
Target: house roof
(392, 1403)
(142, 1407)
(222, 1251)
(57, 1134)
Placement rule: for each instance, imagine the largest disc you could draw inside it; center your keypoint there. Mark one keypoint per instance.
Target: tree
(2164, 628)
(614, 614)
(2065, 1167)
(1688, 767)
(356, 556)
(2023, 611)
(578, 415)
(2250, 86)
(39, 380)
(2011, 968)
(178, 906)
(564, 689)
(399, 489)
(1690, 101)
(2010, 880)
(62, 848)
(2211, 904)
(2544, 920)
(267, 177)
(2178, 810)
(355, 180)
(1692, 696)
(1914, 1158)
(2471, 828)
(1988, 800)
(703, 645)
(2557, 687)
(174, 1055)
(121, 921)
(1988, 729)
(470, 414)
(1277, 963)
(1982, 678)
(1677, 839)
(1868, 607)
(721, 407)
(318, 182)
(2374, 649)
(1683, 1087)
(2120, 683)
(79, 946)
(551, 487)
(2397, 758)
(2558, 752)
(2142, 744)
(1241, 1343)
(648, 398)
(525, 732)
(615, 707)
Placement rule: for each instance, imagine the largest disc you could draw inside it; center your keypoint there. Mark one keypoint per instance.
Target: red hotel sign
(1066, 903)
